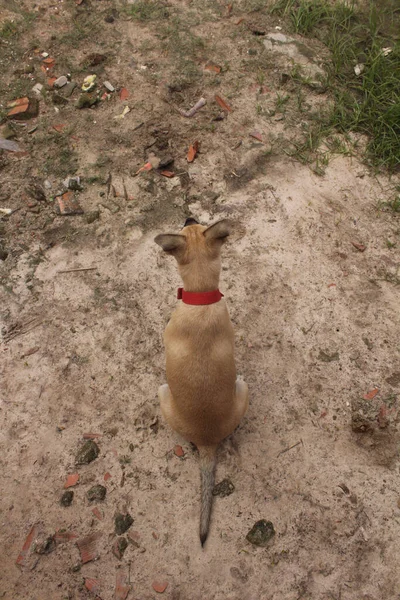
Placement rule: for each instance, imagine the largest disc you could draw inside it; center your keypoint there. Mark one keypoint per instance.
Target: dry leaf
(359, 247)
(212, 67)
(223, 104)
(193, 149)
(256, 135)
(371, 394)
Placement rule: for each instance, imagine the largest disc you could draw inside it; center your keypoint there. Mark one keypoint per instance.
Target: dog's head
(195, 242)
(197, 250)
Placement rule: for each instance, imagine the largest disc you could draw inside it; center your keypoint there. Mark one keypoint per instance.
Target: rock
(326, 357)
(224, 488)
(88, 453)
(7, 132)
(47, 184)
(261, 533)
(59, 100)
(3, 253)
(122, 523)
(109, 86)
(68, 89)
(87, 100)
(66, 498)
(94, 59)
(97, 492)
(37, 89)
(165, 161)
(119, 547)
(47, 546)
(92, 216)
(60, 82)
(365, 414)
(73, 183)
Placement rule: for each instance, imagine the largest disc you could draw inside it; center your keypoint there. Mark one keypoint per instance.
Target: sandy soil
(317, 327)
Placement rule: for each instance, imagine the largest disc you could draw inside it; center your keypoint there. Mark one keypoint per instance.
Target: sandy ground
(317, 327)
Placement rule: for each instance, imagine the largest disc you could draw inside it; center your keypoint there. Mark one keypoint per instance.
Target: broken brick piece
(93, 585)
(88, 547)
(107, 476)
(97, 513)
(119, 547)
(159, 586)
(68, 205)
(50, 81)
(168, 173)
(122, 587)
(123, 94)
(71, 480)
(91, 436)
(60, 127)
(65, 536)
(178, 451)
(24, 108)
(21, 560)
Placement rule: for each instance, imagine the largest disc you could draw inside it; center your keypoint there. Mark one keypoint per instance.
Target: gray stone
(109, 86)
(88, 453)
(60, 82)
(97, 492)
(37, 88)
(68, 89)
(224, 488)
(261, 533)
(66, 498)
(122, 523)
(92, 216)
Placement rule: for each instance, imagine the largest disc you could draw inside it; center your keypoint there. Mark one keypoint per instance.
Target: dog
(203, 400)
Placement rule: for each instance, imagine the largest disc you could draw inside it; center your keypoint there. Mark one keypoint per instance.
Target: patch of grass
(368, 103)
(148, 10)
(8, 30)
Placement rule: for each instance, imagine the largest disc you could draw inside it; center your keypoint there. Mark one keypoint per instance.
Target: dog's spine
(207, 480)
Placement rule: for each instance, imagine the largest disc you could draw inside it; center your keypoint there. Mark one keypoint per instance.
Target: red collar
(199, 298)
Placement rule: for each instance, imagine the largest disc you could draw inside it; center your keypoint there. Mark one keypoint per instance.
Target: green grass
(368, 103)
(147, 10)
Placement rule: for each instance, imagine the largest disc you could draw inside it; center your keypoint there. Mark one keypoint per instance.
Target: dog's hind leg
(241, 400)
(167, 409)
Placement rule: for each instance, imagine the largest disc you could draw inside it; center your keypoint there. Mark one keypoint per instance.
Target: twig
(125, 192)
(290, 448)
(108, 184)
(74, 270)
(138, 126)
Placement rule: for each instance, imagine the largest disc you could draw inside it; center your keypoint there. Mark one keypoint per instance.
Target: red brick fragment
(93, 585)
(122, 587)
(71, 480)
(123, 94)
(107, 476)
(97, 513)
(168, 173)
(60, 127)
(178, 451)
(91, 436)
(68, 205)
(159, 586)
(21, 560)
(65, 536)
(50, 81)
(88, 547)
(18, 102)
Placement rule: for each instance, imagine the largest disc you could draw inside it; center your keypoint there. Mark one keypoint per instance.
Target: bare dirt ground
(316, 317)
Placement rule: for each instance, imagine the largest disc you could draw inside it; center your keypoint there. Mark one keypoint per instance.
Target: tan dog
(203, 401)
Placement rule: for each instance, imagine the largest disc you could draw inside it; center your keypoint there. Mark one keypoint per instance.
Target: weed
(370, 103)
(147, 10)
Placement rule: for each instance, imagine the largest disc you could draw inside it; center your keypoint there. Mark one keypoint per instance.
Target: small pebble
(109, 86)
(60, 82)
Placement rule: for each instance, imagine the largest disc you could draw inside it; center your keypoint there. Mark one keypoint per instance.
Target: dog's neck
(200, 278)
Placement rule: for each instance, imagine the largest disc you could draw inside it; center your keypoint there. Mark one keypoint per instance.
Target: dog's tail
(208, 460)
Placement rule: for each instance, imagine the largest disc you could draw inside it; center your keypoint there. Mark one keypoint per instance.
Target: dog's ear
(219, 231)
(171, 242)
